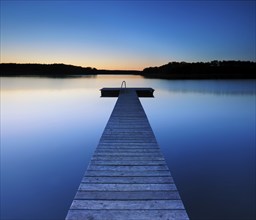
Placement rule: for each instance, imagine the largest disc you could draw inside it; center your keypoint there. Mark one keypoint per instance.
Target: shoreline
(174, 70)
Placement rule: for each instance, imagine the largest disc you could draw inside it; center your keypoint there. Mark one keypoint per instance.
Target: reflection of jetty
(127, 177)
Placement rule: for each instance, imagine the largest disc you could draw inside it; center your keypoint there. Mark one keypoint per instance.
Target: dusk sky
(127, 34)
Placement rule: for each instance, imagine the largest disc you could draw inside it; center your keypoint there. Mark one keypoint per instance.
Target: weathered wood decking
(127, 177)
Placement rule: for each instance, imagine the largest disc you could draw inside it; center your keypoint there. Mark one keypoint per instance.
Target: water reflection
(50, 128)
(91, 81)
(209, 143)
(218, 87)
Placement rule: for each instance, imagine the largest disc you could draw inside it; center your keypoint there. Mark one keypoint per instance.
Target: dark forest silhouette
(173, 70)
(200, 70)
(54, 70)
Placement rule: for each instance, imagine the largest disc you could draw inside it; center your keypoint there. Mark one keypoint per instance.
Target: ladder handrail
(123, 83)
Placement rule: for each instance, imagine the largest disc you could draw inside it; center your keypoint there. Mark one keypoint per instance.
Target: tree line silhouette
(203, 70)
(173, 70)
(55, 70)
(50, 70)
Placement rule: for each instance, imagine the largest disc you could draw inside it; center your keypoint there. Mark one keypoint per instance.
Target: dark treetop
(173, 70)
(200, 70)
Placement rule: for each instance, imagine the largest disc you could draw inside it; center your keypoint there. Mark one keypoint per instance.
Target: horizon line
(135, 70)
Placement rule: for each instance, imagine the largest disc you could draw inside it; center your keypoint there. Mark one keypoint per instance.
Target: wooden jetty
(127, 177)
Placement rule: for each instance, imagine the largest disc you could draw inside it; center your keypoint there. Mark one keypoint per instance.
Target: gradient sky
(127, 34)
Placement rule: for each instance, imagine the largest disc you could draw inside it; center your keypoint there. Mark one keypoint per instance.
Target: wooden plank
(128, 180)
(127, 150)
(127, 214)
(133, 141)
(128, 173)
(128, 158)
(145, 144)
(133, 148)
(127, 168)
(127, 162)
(136, 138)
(126, 204)
(111, 130)
(129, 154)
(126, 187)
(127, 195)
(127, 145)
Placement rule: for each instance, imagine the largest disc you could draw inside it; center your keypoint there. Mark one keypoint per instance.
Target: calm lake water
(51, 127)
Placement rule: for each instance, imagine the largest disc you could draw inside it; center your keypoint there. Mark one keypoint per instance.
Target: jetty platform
(127, 177)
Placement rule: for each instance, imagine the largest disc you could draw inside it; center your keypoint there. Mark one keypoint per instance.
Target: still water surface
(50, 128)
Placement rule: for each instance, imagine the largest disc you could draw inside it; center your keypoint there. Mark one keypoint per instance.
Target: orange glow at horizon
(108, 63)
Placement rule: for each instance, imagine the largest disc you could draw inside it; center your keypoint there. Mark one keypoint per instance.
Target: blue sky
(127, 34)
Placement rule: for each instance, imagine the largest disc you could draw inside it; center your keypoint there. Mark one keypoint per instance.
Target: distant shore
(173, 70)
